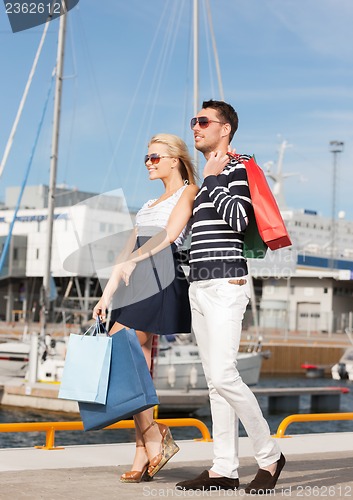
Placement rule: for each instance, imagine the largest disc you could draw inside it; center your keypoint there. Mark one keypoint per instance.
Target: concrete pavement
(318, 466)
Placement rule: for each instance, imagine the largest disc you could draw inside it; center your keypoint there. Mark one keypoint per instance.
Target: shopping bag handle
(98, 327)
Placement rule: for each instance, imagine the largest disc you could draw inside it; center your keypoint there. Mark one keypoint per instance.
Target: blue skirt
(156, 299)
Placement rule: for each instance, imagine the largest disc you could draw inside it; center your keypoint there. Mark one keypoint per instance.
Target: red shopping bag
(268, 217)
(269, 220)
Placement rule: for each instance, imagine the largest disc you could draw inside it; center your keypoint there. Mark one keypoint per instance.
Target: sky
(286, 67)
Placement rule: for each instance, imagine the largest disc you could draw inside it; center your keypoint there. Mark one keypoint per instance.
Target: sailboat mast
(196, 69)
(53, 169)
(215, 53)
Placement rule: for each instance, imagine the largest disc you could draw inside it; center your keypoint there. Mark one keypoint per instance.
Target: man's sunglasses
(154, 158)
(203, 122)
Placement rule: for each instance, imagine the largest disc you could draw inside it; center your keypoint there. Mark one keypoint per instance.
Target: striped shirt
(220, 216)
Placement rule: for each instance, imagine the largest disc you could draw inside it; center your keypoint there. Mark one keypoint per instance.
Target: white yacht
(177, 364)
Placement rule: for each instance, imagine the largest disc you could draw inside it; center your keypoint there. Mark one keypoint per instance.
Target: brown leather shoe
(264, 481)
(205, 482)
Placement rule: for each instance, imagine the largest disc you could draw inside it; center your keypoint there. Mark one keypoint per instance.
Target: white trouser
(217, 312)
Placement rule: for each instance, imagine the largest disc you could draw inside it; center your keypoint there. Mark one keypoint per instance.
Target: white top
(158, 215)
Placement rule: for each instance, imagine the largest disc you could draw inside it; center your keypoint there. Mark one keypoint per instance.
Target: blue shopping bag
(130, 388)
(87, 364)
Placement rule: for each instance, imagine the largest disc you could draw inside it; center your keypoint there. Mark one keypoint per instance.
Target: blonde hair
(178, 149)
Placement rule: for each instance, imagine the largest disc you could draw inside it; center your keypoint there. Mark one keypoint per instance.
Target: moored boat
(14, 358)
(178, 365)
(343, 370)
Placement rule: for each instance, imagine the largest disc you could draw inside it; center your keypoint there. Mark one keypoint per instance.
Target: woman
(167, 310)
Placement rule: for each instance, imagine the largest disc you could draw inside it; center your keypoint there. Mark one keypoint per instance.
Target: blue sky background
(286, 68)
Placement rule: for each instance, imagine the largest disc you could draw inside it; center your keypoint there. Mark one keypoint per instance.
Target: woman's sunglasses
(154, 158)
(203, 122)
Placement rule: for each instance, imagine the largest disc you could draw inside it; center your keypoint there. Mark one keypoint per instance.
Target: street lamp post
(336, 148)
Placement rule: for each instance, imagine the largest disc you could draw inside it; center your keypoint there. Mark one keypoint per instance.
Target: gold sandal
(169, 449)
(136, 476)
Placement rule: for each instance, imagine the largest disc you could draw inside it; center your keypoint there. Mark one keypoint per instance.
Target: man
(219, 293)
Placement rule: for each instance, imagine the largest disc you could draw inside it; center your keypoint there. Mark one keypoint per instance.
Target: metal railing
(310, 417)
(51, 427)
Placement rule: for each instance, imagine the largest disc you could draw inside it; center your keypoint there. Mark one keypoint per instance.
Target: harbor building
(89, 231)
